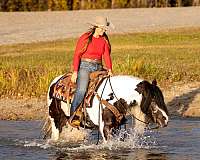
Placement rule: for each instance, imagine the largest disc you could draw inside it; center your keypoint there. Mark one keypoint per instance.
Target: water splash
(122, 139)
(33, 143)
(85, 140)
(36, 143)
(132, 140)
(70, 134)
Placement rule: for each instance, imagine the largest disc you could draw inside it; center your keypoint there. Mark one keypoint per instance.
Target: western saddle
(64, 90)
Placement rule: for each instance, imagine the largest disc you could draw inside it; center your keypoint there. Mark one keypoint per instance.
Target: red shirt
(97, 49)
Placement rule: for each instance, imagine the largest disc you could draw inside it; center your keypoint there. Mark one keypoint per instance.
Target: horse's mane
(159, 98)
(150, 91)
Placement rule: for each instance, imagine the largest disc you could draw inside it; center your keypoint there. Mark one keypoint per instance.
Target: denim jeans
(82, 82)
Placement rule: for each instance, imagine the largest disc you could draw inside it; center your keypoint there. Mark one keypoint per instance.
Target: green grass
(168, 56)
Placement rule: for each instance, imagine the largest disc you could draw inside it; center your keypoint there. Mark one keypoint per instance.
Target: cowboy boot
(74, 122)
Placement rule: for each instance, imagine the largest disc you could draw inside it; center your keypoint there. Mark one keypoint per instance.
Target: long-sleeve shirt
(96, 49)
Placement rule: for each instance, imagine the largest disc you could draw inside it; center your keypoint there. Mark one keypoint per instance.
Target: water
(179, 141)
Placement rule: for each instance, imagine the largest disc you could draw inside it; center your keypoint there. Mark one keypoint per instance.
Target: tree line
(57, 5)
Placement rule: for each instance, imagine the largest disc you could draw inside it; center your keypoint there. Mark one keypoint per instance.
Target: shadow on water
(137, 154)
(181, 103)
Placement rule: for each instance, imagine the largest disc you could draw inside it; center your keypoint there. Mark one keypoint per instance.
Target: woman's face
(99, 31)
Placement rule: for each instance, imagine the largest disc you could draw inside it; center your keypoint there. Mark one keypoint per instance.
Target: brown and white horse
(127, 91)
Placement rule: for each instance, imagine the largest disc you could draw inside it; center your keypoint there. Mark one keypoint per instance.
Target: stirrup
(72, 122)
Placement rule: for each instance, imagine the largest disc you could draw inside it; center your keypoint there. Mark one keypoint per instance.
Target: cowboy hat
(102, 22)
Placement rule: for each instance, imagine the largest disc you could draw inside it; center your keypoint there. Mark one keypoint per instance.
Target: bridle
(147, 123)
(122, 105)
(100, 106)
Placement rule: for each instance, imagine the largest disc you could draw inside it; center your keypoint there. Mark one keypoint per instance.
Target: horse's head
(152, 103)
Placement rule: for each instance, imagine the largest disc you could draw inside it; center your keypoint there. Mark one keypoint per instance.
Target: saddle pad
(64, 89)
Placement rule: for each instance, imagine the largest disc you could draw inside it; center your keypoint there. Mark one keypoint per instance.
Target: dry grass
(170, 56)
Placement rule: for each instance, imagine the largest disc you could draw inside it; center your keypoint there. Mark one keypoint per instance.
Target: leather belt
(91, 60)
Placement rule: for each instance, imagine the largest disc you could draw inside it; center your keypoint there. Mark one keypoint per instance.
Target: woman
(90, 49)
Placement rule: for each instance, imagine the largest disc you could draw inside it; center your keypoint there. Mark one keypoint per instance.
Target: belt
(91, 60)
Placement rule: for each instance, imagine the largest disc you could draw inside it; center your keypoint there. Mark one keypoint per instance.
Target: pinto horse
(120, 91)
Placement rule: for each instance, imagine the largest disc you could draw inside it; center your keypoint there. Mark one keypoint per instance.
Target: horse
(130, 95)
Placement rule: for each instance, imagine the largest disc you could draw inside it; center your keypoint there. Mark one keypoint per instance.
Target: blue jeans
(82, 82)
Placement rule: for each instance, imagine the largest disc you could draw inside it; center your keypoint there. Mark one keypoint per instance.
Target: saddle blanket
(64, 89)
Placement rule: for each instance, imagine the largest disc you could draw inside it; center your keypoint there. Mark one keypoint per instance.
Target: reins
(156, 127)
(100, 107)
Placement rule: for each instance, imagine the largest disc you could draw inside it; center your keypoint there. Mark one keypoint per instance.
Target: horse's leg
(107, 132)
(54, 130)
(108, 119)
(101, 129)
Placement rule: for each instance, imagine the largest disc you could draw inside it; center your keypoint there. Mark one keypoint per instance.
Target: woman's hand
(74, 77)
(110, 72)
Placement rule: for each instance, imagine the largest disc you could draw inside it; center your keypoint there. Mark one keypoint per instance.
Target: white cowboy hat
(102, 22)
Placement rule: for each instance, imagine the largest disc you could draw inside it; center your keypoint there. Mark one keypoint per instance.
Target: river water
(21, 140)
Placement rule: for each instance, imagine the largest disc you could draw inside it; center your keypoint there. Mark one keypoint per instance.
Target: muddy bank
(181, 99)
(23, 109)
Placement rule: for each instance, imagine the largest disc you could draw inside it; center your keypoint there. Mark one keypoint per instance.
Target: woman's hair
(90, 35)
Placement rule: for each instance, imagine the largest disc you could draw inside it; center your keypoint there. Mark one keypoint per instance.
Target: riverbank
(23, 109)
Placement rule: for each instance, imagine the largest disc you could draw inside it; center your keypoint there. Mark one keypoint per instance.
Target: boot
(73, 122)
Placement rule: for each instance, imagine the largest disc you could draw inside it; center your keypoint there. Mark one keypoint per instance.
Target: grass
(168, 56)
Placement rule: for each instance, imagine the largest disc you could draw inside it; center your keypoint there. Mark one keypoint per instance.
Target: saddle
(64, 90)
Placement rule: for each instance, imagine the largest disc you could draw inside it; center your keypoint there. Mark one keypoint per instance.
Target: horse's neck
(124, 87)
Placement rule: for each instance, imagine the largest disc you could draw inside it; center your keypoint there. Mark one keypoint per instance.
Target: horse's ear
(140, 87)
(154, 82)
